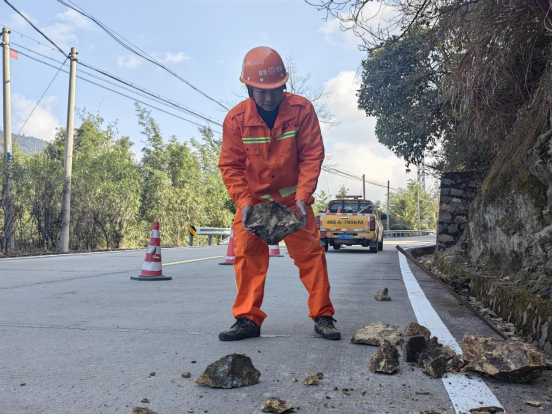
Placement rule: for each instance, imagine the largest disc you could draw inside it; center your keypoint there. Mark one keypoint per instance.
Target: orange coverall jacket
(282, 164)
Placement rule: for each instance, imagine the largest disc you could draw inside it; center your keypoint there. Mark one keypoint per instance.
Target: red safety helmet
(263, 68)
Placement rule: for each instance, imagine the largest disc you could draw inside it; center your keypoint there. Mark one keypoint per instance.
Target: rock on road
(83, 338)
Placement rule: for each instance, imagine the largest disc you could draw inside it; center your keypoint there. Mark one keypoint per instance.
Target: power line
(30, 38)
(118, 93)
(159, 98)
(125, 43)
(48, 87)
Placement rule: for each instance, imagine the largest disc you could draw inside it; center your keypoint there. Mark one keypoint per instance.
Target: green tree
(403, 207)
(321, 201)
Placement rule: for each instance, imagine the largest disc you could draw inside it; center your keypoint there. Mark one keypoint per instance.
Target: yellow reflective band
(287, 191)
(267, 197)
(257, 140)
(288, 134)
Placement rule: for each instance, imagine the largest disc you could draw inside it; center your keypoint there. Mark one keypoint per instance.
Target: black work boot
(243, 328)
(324, 325)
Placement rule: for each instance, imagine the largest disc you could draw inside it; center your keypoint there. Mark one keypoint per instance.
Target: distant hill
(29, 145)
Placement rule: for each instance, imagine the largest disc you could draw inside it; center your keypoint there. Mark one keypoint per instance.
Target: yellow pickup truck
(351, 220)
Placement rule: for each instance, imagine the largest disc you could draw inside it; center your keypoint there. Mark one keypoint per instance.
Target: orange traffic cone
(274, 251)
(230, 252)
(152, 266)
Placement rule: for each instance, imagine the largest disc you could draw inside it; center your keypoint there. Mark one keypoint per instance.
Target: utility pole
(387, 204)
(7, 192)
(418, 197)
(364, 186)
(68, 164)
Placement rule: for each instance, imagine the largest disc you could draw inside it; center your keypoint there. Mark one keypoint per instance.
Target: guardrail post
(210, 236)
(191, 240)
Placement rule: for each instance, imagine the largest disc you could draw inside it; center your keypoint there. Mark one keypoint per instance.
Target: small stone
(376, 333)
(193, 362)
(191, 410)
(346, 391)
(507, 360)
(381, 295)
(142, 410)
(436, 367)
(385, 360)
(294, 380)
(533, 403)
(186, 375)
(363, 393)
(22, 384)
(231, 371)
(145, 401)
(415, 329)
(313, 379)
(276, 405)
(272, 222)
(152, 374)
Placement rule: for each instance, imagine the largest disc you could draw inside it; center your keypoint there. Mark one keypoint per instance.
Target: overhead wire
(118, 92)
(125, 43)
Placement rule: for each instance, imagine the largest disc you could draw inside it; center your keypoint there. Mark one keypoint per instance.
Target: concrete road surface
(78, 336)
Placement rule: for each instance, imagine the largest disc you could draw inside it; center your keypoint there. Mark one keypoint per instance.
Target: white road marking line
(465, 393)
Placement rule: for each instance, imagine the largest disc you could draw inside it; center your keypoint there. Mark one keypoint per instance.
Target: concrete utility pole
(364, 186)
(7, 192)
(387, 204)
(418, 198)
(68, 164)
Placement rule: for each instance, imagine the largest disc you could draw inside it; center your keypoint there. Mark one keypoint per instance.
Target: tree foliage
(115, 197)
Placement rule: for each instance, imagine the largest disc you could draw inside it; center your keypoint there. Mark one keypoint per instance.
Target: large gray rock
(385, 360)
(381, 295)
(376, 333)
(232, 371)
(272, 222)
(276, 405)
(508, 360)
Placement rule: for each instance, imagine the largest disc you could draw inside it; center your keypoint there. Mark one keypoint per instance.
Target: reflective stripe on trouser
(251, 264)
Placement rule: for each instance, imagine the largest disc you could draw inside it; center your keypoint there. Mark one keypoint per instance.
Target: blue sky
(204, 42)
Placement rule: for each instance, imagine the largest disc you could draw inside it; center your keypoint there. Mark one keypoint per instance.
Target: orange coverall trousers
(251, 265)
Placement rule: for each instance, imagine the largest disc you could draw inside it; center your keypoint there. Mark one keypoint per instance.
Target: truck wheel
(373, 249)
(337, 246)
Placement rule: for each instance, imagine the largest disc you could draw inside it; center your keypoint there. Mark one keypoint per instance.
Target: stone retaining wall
(532, 316)
(458, 190)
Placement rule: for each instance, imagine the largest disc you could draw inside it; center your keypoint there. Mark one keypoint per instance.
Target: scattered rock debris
(486, 410)
(346, 391)
(436, 367)
(145, 401)
(294, 380)
(152, 374)
(415, 329)
(186, 375)
(273, 221)
(22, 384)
(381, 295)
(411, 346)
(231, 371)
(386, 359)
(313, 379)
(276, 405)
(533, 403)
(507, 360)
(142, 410)
(376, 333)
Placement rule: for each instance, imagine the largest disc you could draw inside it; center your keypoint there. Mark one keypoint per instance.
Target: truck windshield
(349, 207)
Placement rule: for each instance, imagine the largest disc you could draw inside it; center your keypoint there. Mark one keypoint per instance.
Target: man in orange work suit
(272, 149)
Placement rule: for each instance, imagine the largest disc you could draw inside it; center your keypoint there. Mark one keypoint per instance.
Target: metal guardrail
(207, 231)
(407, 233)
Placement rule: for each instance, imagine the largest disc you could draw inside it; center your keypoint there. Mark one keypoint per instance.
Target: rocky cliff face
(510, 227)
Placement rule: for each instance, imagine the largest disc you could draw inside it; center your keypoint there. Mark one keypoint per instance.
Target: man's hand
(302, 210)
(246, 212)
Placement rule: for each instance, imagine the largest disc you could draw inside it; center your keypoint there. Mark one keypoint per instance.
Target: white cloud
(130, 61)
(64, 32)
(170, 57)
(42, 124)
(336, 36)
(18, 22)
(353, 146)
(264, 35)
